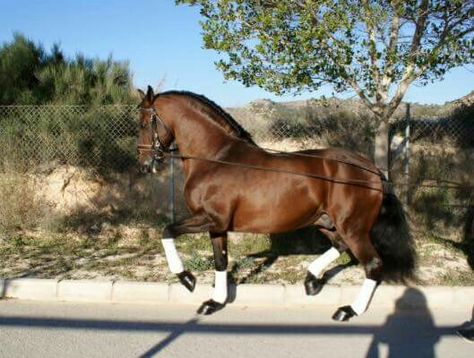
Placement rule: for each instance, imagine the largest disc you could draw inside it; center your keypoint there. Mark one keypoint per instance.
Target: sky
(163, 44)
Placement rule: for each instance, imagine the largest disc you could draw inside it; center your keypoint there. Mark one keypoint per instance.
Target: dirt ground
(81, 226)
(125, 253)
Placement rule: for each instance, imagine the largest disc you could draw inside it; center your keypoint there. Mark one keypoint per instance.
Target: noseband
(157, 146)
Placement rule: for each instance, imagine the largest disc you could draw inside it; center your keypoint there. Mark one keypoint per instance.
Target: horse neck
(197, 135)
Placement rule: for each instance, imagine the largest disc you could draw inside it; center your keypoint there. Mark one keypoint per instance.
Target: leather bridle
(158, 148)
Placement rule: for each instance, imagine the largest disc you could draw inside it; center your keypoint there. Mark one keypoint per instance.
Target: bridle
(157, 147)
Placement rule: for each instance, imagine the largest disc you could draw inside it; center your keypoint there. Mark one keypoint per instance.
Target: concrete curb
(247, 294)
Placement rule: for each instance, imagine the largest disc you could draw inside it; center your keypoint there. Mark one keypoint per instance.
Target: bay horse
(231, 184)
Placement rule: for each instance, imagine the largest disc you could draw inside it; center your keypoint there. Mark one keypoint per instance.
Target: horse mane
(229, 121)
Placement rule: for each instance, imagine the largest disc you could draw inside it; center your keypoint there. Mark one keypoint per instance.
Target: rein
(160, 151)
(353, 182)
(321, 157)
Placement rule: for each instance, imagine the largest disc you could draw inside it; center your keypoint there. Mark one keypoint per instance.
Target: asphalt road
(40, 329)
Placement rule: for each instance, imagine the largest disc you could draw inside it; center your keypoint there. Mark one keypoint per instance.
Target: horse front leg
(192, 225)
(313, 283)
(219, 296)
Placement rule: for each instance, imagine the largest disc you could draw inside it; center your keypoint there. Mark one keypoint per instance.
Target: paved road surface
(40, 329)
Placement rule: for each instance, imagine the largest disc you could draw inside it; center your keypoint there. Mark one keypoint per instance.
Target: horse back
(249, 189)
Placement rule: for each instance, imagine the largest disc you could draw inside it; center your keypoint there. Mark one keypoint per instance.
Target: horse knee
(168, 232)
(219, 247)
(220, 262)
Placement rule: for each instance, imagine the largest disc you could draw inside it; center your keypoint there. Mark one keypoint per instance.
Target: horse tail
(392, 239)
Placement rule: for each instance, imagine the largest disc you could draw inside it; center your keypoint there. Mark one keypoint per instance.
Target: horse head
(154, 136)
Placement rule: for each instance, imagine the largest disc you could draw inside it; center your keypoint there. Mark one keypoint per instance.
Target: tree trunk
(382, 148)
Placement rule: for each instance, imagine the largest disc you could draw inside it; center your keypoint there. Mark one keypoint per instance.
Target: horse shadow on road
(305, 241)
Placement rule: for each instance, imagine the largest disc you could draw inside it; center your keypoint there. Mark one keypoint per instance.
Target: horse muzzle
(145, 168)
(148, 166)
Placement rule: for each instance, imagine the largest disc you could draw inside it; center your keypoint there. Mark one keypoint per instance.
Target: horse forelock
(221, 117)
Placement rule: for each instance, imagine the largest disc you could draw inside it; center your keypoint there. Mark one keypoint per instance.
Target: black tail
(393, 241)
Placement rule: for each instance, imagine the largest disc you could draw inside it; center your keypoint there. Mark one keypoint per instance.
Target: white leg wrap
(365, 295)
(323, 261)
(174, 262)
(220, 287)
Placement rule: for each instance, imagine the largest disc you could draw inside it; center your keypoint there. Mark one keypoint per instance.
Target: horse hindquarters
(354, 212)
(386, 253)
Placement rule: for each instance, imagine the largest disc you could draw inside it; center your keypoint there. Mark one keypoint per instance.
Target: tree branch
(391, 51)
(420, 28)
(372, 52)
(409, 73)
(355, 86)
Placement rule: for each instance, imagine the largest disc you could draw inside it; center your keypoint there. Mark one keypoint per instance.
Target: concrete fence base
(247, 294)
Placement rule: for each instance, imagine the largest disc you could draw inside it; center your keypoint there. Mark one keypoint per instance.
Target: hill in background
(308, 110)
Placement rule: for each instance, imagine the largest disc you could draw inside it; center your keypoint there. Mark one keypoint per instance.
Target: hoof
(209, 307)
(188, 280)
(343, 314)
(313, 285)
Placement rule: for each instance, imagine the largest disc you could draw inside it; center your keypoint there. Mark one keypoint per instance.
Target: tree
(31, 75)
(18, 61)
(375, 48)
(87, 81)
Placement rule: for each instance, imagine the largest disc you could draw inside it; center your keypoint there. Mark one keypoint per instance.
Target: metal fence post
(406, 170)
(171, 195)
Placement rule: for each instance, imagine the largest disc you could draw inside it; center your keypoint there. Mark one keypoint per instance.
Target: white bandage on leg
(323, 261)
(365, 295)
(220, 287)
(174, 262)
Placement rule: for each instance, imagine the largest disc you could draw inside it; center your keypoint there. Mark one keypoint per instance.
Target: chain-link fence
(432, 161)
(104, 137)
(100, 137)
(434, 156)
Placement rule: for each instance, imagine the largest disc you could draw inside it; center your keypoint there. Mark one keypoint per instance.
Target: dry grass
(135, 253)
(20, 207)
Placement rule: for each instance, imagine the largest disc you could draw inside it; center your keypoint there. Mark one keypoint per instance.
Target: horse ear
(150, 94)
(141, 93)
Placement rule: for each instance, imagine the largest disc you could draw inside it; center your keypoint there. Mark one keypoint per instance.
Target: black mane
(238, 129)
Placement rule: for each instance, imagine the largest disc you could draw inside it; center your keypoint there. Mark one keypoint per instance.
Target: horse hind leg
(365, 253)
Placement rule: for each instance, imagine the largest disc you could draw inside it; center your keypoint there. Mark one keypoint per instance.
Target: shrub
(20, 208)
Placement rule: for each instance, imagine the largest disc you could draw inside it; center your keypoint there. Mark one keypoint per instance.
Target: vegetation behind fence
(433, 170)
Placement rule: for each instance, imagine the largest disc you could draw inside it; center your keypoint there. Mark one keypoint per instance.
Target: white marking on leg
(220, 287)
(365, 295)
(174, 262)
(323, 261)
